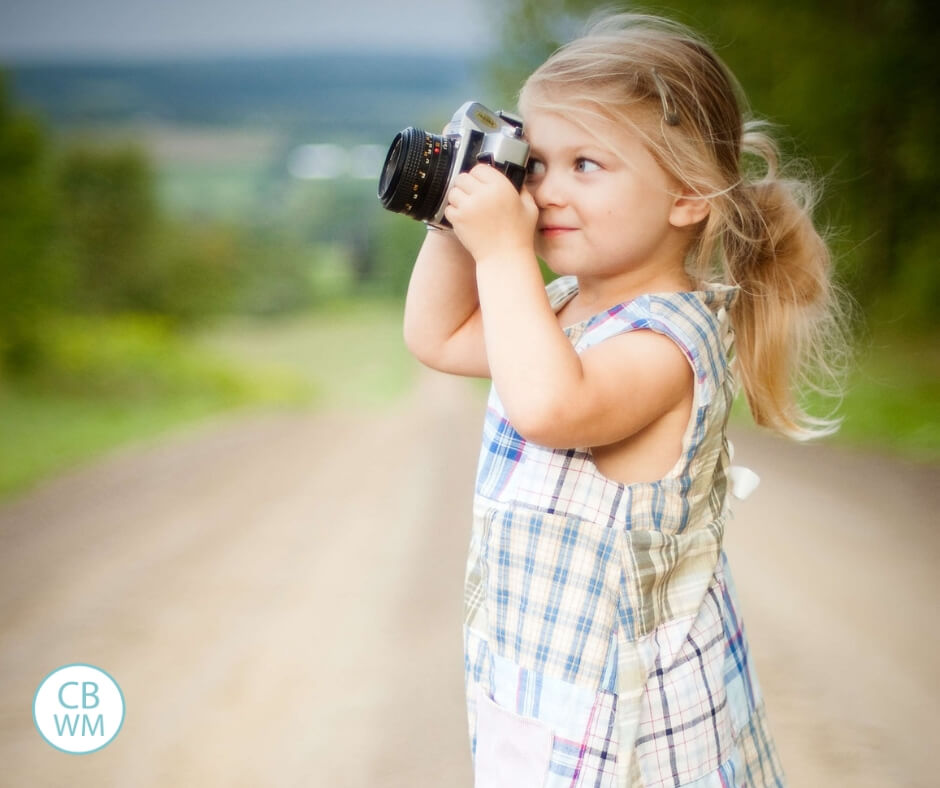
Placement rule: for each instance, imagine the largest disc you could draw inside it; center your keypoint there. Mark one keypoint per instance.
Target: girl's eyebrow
(569, 150)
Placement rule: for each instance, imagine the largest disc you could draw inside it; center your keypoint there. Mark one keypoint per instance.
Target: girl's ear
(688, 209)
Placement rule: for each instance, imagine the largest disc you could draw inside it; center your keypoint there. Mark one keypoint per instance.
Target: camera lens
(415, 173)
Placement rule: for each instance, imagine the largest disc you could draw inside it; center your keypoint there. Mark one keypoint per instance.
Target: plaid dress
(602, 642)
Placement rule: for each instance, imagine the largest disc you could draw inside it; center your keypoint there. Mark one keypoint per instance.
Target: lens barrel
(414, 178)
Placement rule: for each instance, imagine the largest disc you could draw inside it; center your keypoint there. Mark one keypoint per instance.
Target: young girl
(603, 645)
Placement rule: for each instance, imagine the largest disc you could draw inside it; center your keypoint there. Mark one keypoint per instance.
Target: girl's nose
(547, 191)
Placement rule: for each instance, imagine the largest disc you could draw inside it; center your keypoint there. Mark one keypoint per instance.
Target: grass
(111, 382)
(891, 399)
(48, 432)
(107, 382)
(350, 353)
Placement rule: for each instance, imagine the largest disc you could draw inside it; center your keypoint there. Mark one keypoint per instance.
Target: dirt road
(279, 598)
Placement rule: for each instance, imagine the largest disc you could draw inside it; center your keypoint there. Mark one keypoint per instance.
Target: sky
(43, 29)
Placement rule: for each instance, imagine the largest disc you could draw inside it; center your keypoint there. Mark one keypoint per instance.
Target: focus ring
(415, 173)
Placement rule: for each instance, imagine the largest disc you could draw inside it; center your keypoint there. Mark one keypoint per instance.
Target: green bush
(136, 357)
(106, 381)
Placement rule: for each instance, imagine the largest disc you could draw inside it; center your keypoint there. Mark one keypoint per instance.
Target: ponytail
(786, 318)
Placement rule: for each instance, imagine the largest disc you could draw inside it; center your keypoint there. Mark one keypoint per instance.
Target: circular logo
(78, 708)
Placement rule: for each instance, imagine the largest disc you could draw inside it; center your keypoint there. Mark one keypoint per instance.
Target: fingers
(463, 185)
(468, 183)
(479, 173)
(482, 182)
(486, 173)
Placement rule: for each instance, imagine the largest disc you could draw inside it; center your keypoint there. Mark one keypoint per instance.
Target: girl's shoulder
(698, 321)
(706, 307)
(712, 299)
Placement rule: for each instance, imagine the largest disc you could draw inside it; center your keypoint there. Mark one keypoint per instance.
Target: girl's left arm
(553, 395)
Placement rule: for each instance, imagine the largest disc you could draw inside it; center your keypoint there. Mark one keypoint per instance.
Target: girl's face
(600, 214)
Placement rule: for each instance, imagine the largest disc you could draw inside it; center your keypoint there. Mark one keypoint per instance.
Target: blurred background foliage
(162, 257)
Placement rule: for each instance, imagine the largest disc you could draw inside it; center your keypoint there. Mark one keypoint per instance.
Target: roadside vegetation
(124, 314)
(106, 383)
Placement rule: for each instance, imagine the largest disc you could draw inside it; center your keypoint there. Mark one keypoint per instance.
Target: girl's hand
(491, 219)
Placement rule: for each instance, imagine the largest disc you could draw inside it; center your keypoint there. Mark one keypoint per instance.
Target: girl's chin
(556, 263)
(552, 262)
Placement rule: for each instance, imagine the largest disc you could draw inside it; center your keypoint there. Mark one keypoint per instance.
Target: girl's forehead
(551, 130)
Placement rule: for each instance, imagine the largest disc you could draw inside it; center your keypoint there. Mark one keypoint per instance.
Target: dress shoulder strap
(560, 291)
(697, 321)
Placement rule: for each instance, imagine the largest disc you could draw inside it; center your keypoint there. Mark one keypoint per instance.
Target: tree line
(83, 232)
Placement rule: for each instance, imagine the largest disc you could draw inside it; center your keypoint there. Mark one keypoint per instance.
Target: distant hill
(345, 97)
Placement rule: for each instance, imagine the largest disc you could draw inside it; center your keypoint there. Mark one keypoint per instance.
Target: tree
(109, 216)
(30, 272)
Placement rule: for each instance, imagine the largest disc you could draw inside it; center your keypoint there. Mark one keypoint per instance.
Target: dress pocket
(552, 588)
(511, 751)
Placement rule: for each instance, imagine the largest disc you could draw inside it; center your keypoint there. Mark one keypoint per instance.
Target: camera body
(421, 167)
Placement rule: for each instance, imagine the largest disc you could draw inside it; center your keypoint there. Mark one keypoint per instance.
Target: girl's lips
(551, 231)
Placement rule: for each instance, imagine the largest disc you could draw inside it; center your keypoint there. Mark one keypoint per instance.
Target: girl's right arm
(443, 327)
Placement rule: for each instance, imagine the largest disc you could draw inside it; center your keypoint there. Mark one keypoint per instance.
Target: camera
(421, 167)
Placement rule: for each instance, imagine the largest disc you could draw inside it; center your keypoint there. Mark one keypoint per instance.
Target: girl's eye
(535, 167)
(586, 165)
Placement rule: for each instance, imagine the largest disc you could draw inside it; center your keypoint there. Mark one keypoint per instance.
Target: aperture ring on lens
(436, 190)
(419, 181)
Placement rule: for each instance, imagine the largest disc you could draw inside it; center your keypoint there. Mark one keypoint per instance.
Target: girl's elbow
(416, 334)
(543, 423)
(420, 347)
(429, 350)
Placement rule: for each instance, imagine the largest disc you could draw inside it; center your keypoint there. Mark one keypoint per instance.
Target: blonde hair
(664, 83)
